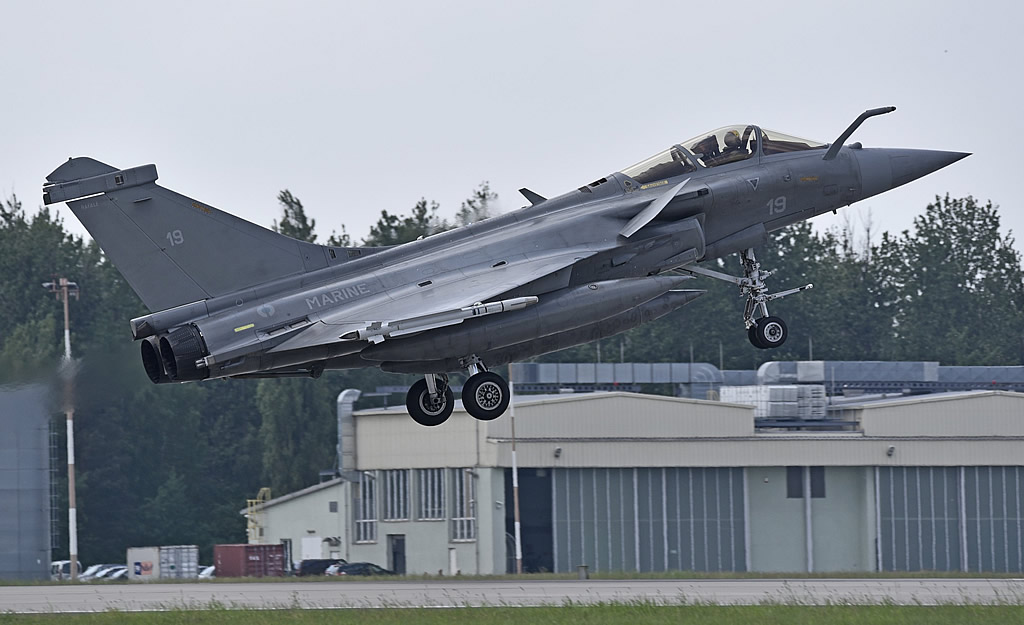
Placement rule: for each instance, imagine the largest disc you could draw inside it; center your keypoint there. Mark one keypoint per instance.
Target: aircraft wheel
(770, 332)
(485, 396)
(752, 336)
(427, 410)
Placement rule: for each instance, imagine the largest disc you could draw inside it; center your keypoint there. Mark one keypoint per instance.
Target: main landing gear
(764, 331)
(430, 401)
(485, 395)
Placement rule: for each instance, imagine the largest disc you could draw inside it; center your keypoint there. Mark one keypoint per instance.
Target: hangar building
(628, 482)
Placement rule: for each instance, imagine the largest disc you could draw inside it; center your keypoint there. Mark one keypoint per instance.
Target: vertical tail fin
(170, 248)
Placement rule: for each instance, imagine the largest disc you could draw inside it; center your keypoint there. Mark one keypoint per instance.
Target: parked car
(94, 570)
(207, 572)
(318, 566)
(120, 572)
(90, 571)
(108, 573)
(61, 569)
(365, 569)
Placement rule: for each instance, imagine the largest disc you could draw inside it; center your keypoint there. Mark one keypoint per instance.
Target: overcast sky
(361, 106)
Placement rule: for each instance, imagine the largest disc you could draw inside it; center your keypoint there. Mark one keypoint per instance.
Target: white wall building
(620, 481)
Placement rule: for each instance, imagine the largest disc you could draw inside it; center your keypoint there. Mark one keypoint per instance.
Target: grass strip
(613, 575)
(637, 613)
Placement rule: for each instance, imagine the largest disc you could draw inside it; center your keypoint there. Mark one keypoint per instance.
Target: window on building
(795, 482)
(817, 482)
(463, 504)
(332, 506)
(430, 494)
(396, 495)
(365, 506)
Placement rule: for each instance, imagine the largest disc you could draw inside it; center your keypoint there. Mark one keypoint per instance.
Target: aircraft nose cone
(884, 169)
(910, 165)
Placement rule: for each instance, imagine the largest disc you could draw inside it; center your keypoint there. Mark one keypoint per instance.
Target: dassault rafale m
(231, 299)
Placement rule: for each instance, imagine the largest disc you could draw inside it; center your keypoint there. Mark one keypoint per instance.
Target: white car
(108, 573)
(92, 570)
(207, 572)
(61, 569)
(95, 570)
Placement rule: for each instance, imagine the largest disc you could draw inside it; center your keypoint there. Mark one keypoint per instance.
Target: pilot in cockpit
(706, 149)
(734, 149)
(733, 143)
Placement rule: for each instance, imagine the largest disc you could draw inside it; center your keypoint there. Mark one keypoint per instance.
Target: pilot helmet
(732, 139)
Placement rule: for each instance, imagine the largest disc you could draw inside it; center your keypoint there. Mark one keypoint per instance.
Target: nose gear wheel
(768, 332)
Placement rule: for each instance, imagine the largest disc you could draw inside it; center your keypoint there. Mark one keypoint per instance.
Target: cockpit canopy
(724, 145)
(777, 143)
(729, 144)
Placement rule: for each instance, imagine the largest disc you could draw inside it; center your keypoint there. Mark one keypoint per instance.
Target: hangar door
(951, 518)
(648, 519)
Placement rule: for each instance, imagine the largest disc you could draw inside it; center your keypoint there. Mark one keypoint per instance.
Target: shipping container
(179, 562)
(143, 563)
(249, 560)
(167, 562)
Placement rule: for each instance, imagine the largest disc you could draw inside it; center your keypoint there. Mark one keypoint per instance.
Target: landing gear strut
(764, 331)
(430, 401)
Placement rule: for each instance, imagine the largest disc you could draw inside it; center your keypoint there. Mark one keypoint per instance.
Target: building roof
(299, 493)
(874, 401)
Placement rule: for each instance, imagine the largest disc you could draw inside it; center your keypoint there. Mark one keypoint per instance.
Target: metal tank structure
(24, 483)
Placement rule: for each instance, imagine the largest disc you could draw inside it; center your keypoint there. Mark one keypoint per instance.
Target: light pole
(515, 476)
(64, 289)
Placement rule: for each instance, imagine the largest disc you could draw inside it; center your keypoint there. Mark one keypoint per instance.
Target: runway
(458, 593)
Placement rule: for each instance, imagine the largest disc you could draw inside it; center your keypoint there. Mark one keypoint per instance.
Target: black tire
(752, 336)
(771, 332)
(485, 396)
(429, 412)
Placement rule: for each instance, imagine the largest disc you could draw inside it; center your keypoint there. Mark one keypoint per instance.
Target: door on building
(396, 553)
(535, 518)
(288, 562)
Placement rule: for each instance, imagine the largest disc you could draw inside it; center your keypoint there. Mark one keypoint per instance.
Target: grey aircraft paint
(232, 299)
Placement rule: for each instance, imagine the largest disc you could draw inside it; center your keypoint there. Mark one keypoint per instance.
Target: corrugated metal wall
(992, 498)
(649, 519)
(919, 513)
(951, 518)
(24, 483)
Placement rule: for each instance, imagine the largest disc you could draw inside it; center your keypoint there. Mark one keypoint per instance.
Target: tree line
(174, 464)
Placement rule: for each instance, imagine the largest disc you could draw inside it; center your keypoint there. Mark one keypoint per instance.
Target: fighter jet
(230, 299)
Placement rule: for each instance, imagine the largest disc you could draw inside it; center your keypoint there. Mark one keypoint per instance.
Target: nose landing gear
(764, 330)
